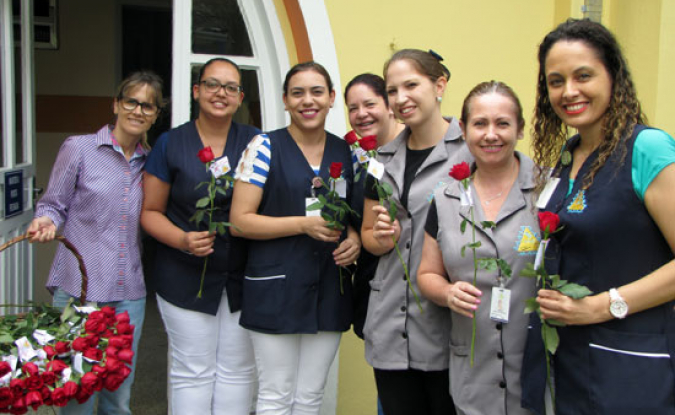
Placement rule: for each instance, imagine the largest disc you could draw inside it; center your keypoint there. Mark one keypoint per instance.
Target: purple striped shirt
(94, 198)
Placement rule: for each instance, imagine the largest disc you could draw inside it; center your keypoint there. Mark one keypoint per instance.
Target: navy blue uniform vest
(292, 284)
(177, 274)
(608, 240)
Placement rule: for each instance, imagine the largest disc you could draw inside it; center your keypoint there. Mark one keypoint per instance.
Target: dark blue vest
(608, 240)
(177, 274)
(292, 284)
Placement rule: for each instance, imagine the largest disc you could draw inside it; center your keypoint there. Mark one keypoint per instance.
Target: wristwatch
(617, 305)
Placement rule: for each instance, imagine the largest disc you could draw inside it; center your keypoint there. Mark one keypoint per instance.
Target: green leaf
(489, 264)
(463, 250)
(357, 176)
(393, 210)
(221, 190)
(67, 313)
(322, 199)
(528, 271)
(381, 194)
(554, 322)
(575, 291)
(531, 305)
(474, 245)
(213, 226)
(486, 224)
(387, 189)
(505, 267)
(315, 206)
(332, 207)
(326, 217)
(462, 226)
(203, 202)
(200, 185)
(6, 339)
(554, 280)
(199, 215)
(550, 336)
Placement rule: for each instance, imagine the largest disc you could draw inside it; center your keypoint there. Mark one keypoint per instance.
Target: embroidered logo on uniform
(430, 198)
(527, 242)
(578, 204)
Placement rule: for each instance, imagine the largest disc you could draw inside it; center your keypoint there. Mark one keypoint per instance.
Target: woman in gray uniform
(501, 188)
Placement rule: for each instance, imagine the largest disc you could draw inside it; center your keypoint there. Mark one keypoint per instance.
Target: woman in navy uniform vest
(613, 190)
(212, 367)
(293, 305)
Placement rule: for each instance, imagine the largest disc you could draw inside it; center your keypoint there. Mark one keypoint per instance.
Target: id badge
(309, 201)
(376, 169)
(499, 307)
(341, 188)
(546, 194)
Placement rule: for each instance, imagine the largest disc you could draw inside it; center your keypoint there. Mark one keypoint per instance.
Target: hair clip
(435, 55)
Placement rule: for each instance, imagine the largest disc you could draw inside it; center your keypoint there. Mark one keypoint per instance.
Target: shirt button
(499, 326)
(502, 384)
(404, 335)
(403, 308)
(125, 199)
(122, 245)
(121, 273)
(404, 278)
(500, 355)
(407, 245)
(121, 255)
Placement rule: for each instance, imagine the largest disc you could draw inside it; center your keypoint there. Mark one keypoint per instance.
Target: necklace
(495, 197)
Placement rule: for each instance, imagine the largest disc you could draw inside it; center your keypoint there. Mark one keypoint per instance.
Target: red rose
(108, 333)
(97, 315)
(548, 223)
(5, 368)
(80, 344)
(108, 311)
(92, 340)
(19, 405)
(49, 378)
(119, 342)
(62, 347)
(93, 353)
(126, 355)
(113, 364)
(91, 382)
(46, 396)
(57, 366)
(205, 155)
(351, 137)
(6, 398)
(460, 171)
(30, 368)
(49, 351)
(124, 328)
(113, 381)
(71, 388)
(125, 371)
(101, 371)
(59, 397)
(17, 386)
(34, 399)
(335, 170)
(83, 394)
(95, 326)
(111, 351)
(34, 383)
(368, 142)
(122, 317)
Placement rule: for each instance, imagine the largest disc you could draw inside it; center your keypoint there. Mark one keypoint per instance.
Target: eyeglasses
(147, 108)
(213, 86)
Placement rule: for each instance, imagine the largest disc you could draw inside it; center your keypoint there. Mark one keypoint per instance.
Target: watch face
(619, 309)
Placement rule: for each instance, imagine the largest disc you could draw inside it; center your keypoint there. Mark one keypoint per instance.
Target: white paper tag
(220, 167)
(77, 363)
(361, 155)
(341, 187)
(546, 194)
(376, 169)
(499, 307)
(309, 201)
(25, 349)
(465, 198)
(540, 254)
(42, 337)
(85, 309)
(65, 375)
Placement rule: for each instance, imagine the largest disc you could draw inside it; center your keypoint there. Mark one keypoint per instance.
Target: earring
(439, 99)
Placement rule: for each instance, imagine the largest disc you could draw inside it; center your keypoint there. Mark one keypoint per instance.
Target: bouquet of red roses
(49, 356)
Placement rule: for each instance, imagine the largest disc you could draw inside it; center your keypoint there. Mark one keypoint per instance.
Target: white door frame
(16, 263)
(269, 60)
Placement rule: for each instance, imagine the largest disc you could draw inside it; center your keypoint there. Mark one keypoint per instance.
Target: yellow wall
(483, 40)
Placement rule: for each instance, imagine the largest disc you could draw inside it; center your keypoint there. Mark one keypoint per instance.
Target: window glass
(218, 28)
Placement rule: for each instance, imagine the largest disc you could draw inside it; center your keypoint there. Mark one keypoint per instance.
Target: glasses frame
(225, 87)
(144, 106)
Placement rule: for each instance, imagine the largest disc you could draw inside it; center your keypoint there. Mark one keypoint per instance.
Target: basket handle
(71, 248)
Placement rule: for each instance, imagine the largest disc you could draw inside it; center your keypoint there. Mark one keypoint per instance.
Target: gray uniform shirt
(493, 384)
(397, 336)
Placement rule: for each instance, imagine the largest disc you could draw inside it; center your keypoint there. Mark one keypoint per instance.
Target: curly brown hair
(623, 113)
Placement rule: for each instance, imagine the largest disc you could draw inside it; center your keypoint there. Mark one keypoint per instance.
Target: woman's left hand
(587, 310)
(347, 252)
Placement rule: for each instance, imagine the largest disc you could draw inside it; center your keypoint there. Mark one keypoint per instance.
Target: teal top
(653, 151)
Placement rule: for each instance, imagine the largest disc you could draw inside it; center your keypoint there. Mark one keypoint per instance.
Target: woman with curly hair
(612, 187)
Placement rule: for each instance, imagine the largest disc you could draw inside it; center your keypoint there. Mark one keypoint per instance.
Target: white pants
(292, 371)
(212, 369)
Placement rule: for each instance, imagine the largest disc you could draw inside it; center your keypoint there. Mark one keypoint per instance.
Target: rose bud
(17, 386)
(111, 351)
(19, 404)
(80, 344)
(119, 342)
(92, 340)
(113, 364)
(62, 347)
(93, 354)
(125, 328)
(5, 368)
(369, 143)
(30, 368)
(6, 398)
(91, 382)
(57, 366)
(34, 382)
(101, 371)
(83, 394)
(49, 351)
(59, 397)
(49, 378)
(351, 137)
(113, 381)
(95, 326)
(108, 311)
(34, 399)
(123, 317)
(125, 355)
(46, 396)
(71, 388)
(205, 155)
(460, 171)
